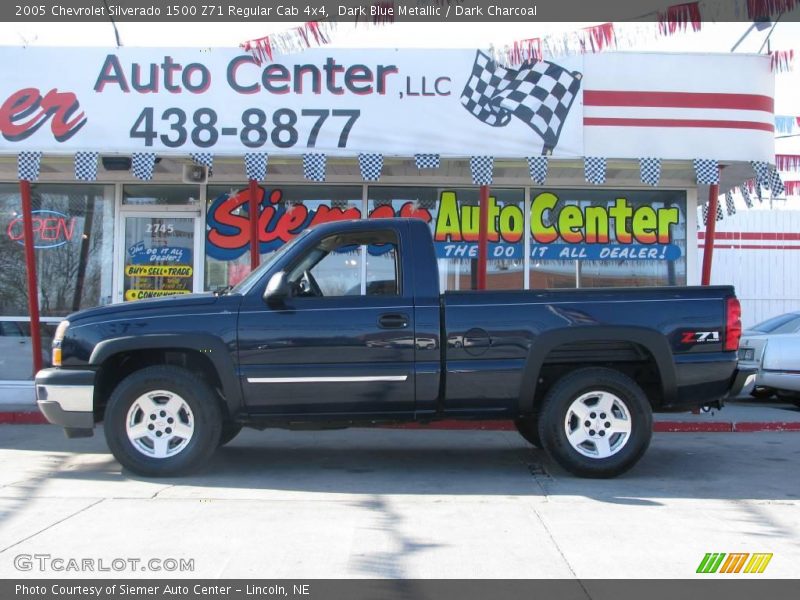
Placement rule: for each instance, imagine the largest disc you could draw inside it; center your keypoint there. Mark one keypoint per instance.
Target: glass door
(158, 257)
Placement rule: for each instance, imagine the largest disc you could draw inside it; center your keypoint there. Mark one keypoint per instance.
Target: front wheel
(595, 422)
(162, 421)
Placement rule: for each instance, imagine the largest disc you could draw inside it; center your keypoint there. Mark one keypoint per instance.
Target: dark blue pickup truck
(579, 371)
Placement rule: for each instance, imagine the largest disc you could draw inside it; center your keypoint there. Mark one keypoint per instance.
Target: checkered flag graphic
(537, 167)
(594, 169)
(314, 166)
(746, 195)
(255, 165)
(86, 166)
(758, 187)
(776, 186)
(729, 205)
(650, 170)
(371, 166)
(426, 161)
(142, 164)
(719, 212)
(482, 169)
(762, 171)
(705, 213)
(205, 159)
(539, 93)
(28, 164)
(707, 170)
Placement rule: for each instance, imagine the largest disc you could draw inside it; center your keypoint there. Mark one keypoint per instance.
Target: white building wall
(758, 252)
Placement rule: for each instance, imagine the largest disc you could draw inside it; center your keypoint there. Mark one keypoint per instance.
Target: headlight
(61, 331)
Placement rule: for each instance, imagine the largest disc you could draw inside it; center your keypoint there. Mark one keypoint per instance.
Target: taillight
(733, 323)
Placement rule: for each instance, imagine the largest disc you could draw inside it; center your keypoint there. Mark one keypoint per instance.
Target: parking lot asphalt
(402, 504)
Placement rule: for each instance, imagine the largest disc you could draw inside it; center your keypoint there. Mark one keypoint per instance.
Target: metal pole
(483, 237)
(711, 227)
(30, 267)
(254, 214)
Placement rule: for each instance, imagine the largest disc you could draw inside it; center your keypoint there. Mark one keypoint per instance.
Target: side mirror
(277, 290)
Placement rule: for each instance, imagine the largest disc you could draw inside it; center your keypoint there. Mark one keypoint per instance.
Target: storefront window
(453, 216)
(160, 195)
(285, 212)
(73, 237)
(607, 238)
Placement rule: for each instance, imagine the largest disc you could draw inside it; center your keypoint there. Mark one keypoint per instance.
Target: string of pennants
(481, 169)
(677, 18)
(767, 179)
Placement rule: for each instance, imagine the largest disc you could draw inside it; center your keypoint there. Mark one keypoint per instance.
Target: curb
(36, 418)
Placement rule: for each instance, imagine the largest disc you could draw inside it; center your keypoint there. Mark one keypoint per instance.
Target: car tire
(229, 431)
(762, 393)
(528, 428)
(162, 421)
(595, 422)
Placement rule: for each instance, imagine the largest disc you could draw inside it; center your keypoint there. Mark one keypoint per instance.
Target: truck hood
(158, 304)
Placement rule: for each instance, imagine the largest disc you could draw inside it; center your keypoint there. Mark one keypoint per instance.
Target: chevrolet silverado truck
(579, 371)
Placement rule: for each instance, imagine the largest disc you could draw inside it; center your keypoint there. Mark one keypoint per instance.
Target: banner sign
(564, 225)
(390, 102)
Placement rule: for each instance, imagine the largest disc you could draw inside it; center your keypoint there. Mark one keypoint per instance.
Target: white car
(773, 347)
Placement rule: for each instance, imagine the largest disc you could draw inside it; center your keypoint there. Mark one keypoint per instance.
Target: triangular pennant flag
(314, 165)
(427, 161)
(762, 173)
(746, 195)
(86, 166)
(650, 170)
(707, 171)
(594, 169)
(729, 205)
(205, 159)
(142, 164)
(719, 212)
(482, 169)
(255, 165)
(705, 213)
(537, 167)
(28, 164)
(371, 166)
(776, 187)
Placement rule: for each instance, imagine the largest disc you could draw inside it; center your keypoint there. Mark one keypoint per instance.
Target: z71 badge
(700, 337)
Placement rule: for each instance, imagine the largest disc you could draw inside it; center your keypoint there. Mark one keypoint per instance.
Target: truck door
(343, 342)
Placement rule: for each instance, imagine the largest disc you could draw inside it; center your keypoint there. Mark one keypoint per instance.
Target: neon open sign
(51, 229)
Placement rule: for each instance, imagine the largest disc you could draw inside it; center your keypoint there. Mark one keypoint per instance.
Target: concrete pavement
(403, 503)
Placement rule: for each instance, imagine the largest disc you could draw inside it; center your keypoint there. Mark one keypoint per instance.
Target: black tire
(199, 397)
(553, 418)
(762, 393)
(528, 428)
(229, 431)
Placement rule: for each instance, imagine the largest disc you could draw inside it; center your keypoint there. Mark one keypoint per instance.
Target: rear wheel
(528, 428)
(162, 421)
(595, 422)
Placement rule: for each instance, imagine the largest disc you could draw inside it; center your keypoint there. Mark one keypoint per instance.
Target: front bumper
(66, 398)
(744, 380)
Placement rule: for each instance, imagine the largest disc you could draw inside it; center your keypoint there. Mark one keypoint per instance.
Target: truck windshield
(246, 284)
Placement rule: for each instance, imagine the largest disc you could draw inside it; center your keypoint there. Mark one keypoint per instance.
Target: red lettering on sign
(26, 110)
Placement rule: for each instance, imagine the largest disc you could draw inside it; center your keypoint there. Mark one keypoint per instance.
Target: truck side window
(333, 268)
